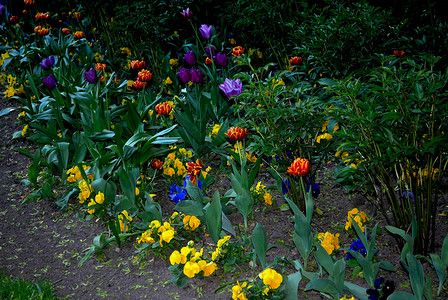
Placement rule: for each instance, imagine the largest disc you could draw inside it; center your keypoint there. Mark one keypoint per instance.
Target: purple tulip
(187, 14)
(210, 51)
(206, 31)
(231, 87)
(196, 76)
(90, 76)
(190, 58)
(184, 75)
(47, 63)
(2, 9)
(50, 81)
(221, 59)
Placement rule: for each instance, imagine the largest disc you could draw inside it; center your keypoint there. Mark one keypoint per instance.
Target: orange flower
(137, 65)
(41, 30)
(399, 53)
(66, 31)
(100, 66)
(78, 35)
(236, 134)
(157, 164)
(294, 61)
(14, 19)
(299, 167)
(139, 85)
(208, 61)
(24, 11)
(144, 75)
(237, 51)
(193, 170)
(29, 2)
(42, 16)
(163, 108)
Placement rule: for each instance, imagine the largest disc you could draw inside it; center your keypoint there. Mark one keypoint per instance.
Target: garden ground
(40, 242)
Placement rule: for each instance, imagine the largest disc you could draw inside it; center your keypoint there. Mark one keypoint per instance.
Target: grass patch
(16, 288)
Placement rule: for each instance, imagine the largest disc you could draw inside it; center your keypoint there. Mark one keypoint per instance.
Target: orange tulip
(78, 35)
(399, 53)
(144, 75)
(163, 108)
(236, 134)
(66, 30)
(294, 61)
(193, 170)
(137, 65)
(300, 167)
(237, 51)
(100, 66)
(139, 85)
(157, 164)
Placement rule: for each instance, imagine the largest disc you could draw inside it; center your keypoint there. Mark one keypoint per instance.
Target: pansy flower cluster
(192, 262)
(329, 241)
(260, 192)
(358, 216)
(383, 289)
(268, 286)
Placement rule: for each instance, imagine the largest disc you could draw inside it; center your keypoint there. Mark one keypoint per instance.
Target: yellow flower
(325, 136)
(358, 216)
(137, 191)
(271, 278)
(166, 236)
(191, 222)
(91, 203)
(223, 240)
(169, 171)
(191, 269)
(146, 238)
(177, 258)
(24, 130)
(215, 130)
(329, 241)
(208, 268)
(99, 198)
(124, 215)
(237, 291)
(174, 62)
(168, 81)
(267, 198)
(345, 298)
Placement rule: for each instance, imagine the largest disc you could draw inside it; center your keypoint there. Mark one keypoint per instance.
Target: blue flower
(378, 282)
(177, 193)
(408, 193)
(286, 186)
(315, 190)
(358, 247)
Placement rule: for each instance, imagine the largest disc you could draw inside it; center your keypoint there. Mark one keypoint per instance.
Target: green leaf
(259, 241)
(6, 111)
(213, 217)
(292, 286)
(416, 276)
(324, 259)
(444, 254)
(189, 207)
(440, 269)
(195, 193)
(323, 285)
(401, 296)
(357, 291)
(64, 151)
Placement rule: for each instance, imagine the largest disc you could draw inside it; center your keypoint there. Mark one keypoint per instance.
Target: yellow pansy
(271, 278)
